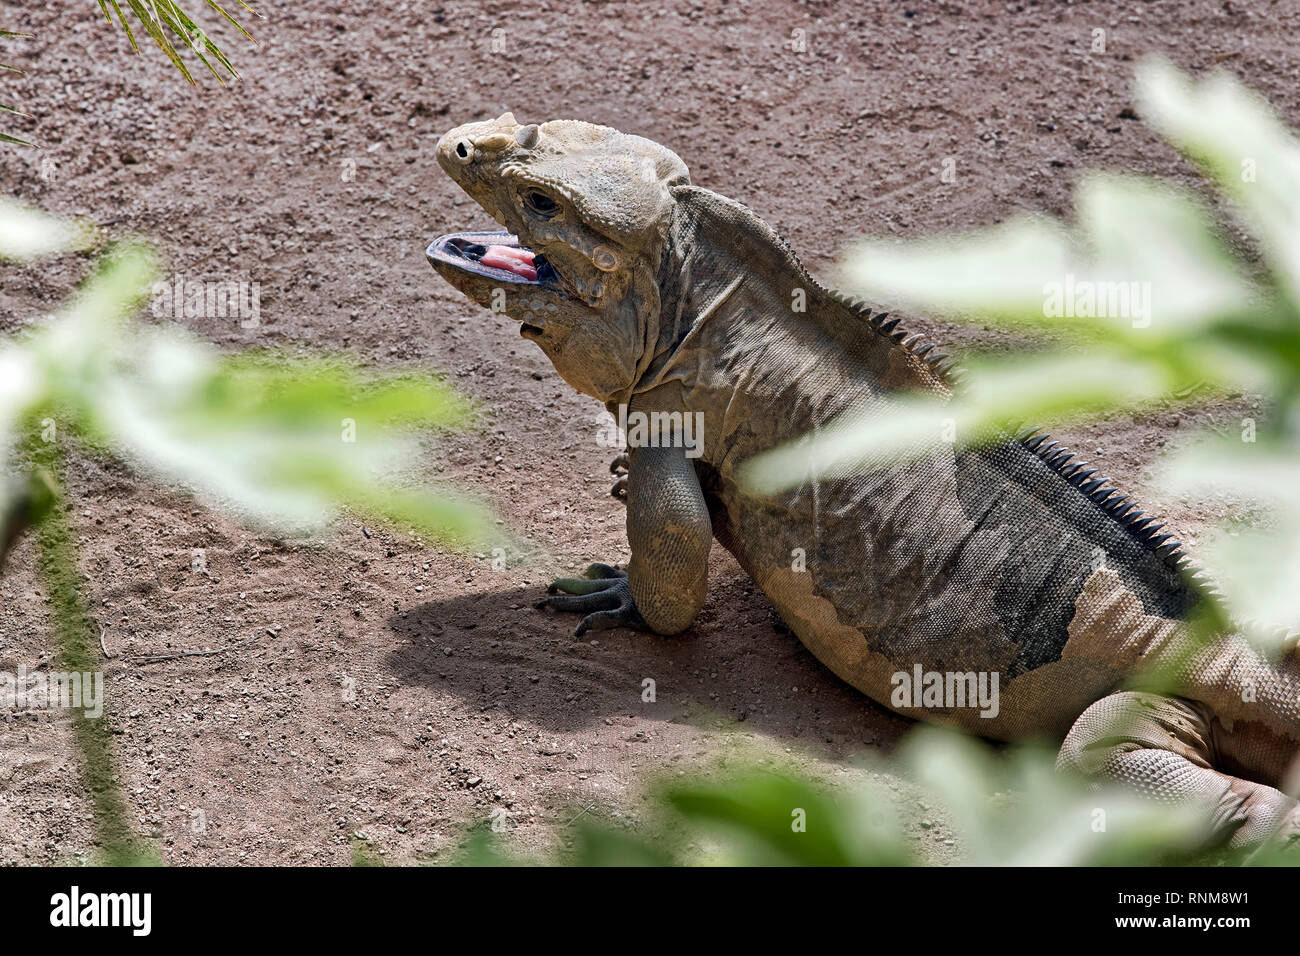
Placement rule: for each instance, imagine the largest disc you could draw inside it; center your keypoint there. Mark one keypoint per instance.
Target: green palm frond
(166, 24)
(6, 68)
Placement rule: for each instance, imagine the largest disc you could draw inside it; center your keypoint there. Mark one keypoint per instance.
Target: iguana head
(586, 211)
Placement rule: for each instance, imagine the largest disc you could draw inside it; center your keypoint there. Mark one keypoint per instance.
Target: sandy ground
(313, 176)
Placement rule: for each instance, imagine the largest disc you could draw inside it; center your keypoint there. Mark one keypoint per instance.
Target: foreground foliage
(285, 443)
(6, 68)
(1206, 324)
(1005, 808)
(168, 25)
(1142, 302)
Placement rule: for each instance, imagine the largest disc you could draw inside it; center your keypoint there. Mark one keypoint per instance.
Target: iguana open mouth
(493, 255)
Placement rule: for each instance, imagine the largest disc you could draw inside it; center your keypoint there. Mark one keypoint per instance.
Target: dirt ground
(466, 698)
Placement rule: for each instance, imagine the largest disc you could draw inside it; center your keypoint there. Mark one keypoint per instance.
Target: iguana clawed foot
(602, 594)
(619, 467)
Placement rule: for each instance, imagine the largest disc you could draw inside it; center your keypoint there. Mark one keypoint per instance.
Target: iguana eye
(540, 203)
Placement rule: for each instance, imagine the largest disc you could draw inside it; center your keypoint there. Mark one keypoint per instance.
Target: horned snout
(465, 144)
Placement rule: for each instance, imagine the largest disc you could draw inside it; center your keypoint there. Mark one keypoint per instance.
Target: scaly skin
(1010, 559)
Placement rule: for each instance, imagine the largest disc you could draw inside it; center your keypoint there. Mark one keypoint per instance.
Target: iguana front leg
(669, 531)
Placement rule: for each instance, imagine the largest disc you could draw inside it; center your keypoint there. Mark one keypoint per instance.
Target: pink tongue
(512, 259)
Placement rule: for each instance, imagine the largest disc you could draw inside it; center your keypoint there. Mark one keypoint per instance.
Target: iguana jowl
(1010, 559)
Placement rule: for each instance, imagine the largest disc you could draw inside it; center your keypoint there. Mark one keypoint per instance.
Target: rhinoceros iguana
(1006, 588)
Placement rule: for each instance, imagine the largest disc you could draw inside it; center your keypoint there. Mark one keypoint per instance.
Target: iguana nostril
(464, 150)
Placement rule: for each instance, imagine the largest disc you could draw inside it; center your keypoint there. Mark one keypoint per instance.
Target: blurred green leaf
(282, 441)
(1160, 241)
(482, 848)
(1001, 394)
(1004, 806)
(285, 442)
(1014, 809)
(1254, 568)
(601, 845)
(1241, 144)
(1146, 263)
(767, 818)
(998, 272)
(28, 234)
(363, 856)
(1188, 312)
(1153, 301)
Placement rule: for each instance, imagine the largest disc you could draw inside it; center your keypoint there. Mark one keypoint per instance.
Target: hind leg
(1165, 748)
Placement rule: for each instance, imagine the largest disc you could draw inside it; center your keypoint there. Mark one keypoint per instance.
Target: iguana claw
(619, 467)
(604, 592)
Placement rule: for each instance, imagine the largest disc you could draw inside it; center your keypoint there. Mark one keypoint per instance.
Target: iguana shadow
(737, 668)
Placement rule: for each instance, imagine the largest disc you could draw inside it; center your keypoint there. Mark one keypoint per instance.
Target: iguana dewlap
(1005, 589)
